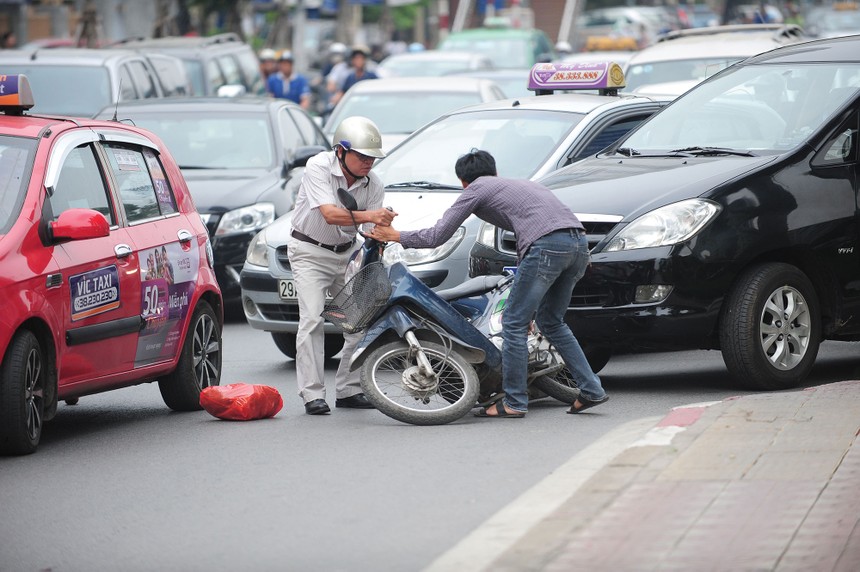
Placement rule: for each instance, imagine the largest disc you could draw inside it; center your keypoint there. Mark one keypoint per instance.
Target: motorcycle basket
(354, 306)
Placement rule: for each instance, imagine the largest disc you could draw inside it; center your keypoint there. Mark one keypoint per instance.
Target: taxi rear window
(16, 159)
(143, 186)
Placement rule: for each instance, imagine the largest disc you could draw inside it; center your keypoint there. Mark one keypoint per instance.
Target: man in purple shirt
(553, 255)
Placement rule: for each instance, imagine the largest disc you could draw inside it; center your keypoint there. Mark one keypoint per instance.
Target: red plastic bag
(241, 401)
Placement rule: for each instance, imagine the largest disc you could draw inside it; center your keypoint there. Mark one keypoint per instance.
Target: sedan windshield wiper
(714, 151)
(423, 185)
(629, 151)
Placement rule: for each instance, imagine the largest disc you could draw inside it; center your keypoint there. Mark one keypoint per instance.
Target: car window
(214, 141)
(842, 147)
(16, 157)
(310, 133)
(396, 112)
(608, 135)
(520, 141)
(127, 90)
(143, 80)
(163, 191)
(136, 188)
(92, 88)
(250, 67)
(230, 69)
(213, 76)
(639, 75)
(195, 76)
(290, 134)
(81, 185)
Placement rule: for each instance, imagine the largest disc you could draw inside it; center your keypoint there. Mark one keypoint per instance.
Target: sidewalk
(761, 482)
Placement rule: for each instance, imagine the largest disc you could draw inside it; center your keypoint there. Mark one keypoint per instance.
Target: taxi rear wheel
(199, 364)
(286, 342)
(22, 395)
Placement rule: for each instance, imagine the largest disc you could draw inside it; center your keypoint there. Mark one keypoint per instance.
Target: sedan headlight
(665, 226)
(411, 256)
(258, 250)
(246, 219)
(487, 235)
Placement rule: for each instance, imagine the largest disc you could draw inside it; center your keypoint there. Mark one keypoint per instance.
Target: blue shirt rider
(288, 85)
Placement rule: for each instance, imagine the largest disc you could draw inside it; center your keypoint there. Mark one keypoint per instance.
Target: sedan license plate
(288, 290)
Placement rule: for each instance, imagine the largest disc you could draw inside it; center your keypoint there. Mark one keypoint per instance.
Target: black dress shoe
(357, 401)
(317, 407)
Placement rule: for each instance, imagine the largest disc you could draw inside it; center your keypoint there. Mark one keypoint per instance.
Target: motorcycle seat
(471, 287)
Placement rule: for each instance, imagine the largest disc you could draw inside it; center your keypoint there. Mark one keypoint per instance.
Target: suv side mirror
(79, 224)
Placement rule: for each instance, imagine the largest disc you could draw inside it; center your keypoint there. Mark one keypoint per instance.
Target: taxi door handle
(122, 250)
(184, 235)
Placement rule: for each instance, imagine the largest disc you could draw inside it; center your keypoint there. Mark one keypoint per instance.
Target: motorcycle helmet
(361, 135)
(267, 54)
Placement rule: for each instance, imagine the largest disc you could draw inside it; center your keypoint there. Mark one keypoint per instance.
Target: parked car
(528, 136)
(834, 20)
(518, 48)
(79, 82)
(513, 82)
(217, 65)
(727, 221)
(399, 106)
(243, 159)
(432, 63)
(679, 60)
(107, 275)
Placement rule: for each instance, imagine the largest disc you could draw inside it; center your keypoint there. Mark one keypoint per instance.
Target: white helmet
(267, 54)
(361, 135)
(338, 48)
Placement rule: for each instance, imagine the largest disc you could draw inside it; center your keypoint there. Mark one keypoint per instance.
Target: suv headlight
(258, 250)
(664, 226)
(411, 256)
(246, 219)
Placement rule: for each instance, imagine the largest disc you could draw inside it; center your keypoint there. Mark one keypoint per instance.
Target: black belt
(338, 248)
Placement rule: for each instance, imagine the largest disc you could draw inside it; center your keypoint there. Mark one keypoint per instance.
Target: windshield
(199, 141)
(50, 85)
(520, 141)
(503, 52)
(766, 109)
(639, 75)
(16, 156)
(403, 67)
(396, 112)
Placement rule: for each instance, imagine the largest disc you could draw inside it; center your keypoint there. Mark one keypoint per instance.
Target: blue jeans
(544, 282)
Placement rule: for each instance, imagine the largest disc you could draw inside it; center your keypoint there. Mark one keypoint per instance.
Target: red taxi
(106, 273)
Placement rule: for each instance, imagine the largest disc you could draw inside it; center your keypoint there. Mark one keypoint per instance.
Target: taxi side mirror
(79, 224)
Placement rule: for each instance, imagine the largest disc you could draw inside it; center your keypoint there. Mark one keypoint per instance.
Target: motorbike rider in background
(553, 254)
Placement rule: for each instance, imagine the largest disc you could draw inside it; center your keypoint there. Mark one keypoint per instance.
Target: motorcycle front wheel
(391, 381)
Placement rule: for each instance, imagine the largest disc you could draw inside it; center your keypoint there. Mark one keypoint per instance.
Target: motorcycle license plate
(288, 290)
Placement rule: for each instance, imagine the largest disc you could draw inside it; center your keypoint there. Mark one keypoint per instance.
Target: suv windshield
(90, 94)
(16, 157)
(764, 108)
(199, 141)
(674, 70)
(520, 141)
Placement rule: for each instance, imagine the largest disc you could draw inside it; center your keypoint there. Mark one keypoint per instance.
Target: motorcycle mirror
(347, 200)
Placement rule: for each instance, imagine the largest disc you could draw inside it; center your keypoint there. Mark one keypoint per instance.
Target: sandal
(500, 412)
(586, 404)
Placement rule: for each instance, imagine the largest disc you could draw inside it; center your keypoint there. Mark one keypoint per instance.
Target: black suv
(212, 62)
(727, 221)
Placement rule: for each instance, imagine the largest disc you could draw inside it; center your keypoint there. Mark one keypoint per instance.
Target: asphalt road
(122, 483)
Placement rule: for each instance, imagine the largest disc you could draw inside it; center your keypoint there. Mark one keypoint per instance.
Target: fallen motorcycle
(426, 357)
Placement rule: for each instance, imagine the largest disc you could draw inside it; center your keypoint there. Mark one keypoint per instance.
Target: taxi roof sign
(15, 94)
(606, 77)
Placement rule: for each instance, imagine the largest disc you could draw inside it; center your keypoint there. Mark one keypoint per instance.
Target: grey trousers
(315, 270)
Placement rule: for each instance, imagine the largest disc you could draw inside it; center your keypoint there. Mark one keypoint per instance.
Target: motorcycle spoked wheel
(384, 384)
(560, 385)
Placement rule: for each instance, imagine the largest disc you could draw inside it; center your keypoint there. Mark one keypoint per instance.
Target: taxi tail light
(79, 224)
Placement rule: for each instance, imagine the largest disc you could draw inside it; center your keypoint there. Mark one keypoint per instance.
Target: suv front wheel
(770, 327)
